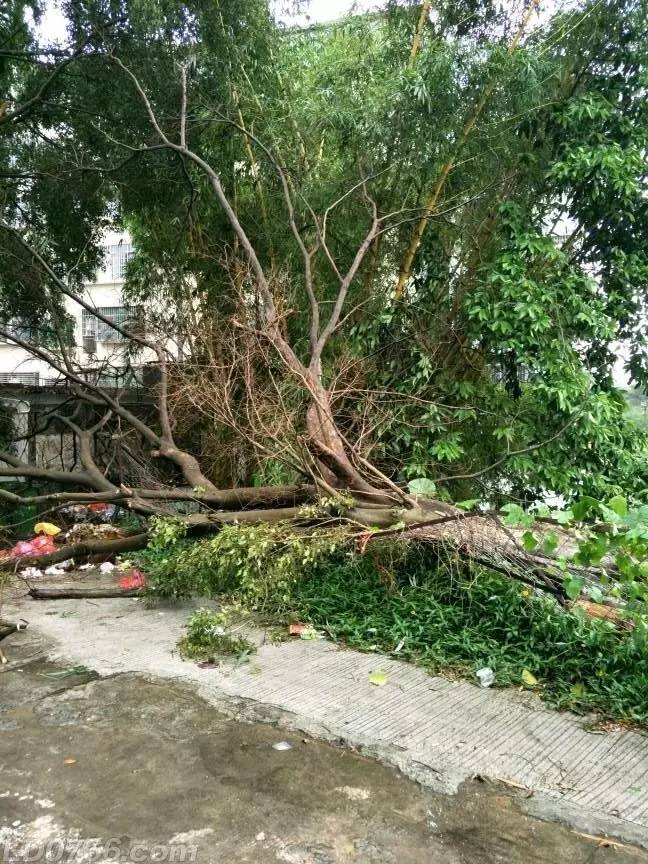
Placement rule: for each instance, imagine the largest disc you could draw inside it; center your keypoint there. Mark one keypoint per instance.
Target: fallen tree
(269, 365)
(312, 439)
(70, 593)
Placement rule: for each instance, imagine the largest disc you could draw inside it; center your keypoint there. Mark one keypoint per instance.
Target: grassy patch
(438, 614)
(455, 622)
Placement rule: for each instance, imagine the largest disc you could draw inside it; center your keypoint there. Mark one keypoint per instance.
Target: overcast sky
(53, 24)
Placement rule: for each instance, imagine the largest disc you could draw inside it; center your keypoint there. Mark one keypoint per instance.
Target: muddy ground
(130, 768)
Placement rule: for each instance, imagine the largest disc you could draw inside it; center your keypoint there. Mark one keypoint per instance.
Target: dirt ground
(129, 768)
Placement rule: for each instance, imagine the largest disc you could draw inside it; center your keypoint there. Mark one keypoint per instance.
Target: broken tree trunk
(8, 627)
(70, 593)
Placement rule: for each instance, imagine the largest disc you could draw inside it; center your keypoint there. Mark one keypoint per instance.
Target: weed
(459, 621)
(209, 635)
(130, 522)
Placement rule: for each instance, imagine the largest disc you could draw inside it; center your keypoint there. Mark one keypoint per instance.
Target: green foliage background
(532, 271)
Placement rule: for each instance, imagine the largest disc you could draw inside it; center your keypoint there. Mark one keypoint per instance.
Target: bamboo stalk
(418, 33)
(405, 272)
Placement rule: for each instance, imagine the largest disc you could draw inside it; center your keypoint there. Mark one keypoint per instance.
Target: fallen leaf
(378, 678)
(64, 673)
(69, 761)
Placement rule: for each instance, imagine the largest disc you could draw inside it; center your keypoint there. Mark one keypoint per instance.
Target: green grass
(450, 622)
(443, 616)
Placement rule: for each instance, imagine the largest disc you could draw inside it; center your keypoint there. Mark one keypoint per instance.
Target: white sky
(52, 25)
(322, 10)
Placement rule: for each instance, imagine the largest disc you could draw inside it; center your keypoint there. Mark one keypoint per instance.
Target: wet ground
(125, 768)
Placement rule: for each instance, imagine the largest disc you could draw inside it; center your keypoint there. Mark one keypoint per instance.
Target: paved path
(436, 731)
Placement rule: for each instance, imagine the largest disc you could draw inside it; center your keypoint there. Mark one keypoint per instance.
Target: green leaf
(529, 678)
(609, 515)
(529, 541)
(515, 515)
(619, 505)
(592, 551)
(470, 504)
(422, 486)
(550, 543)
(573, 586)
(378, 678)
(596, 595)
(564, 517)
(584, 508)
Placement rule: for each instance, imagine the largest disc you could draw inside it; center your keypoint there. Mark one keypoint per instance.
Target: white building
(96, 344)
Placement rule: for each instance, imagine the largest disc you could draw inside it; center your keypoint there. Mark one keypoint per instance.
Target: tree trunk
(81, 593)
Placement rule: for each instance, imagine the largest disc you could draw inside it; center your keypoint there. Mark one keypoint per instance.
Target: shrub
(258, 565)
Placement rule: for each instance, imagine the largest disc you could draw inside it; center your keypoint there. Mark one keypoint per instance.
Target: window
(25, 378)
(120, 255)
(21, 330)
(102, 332)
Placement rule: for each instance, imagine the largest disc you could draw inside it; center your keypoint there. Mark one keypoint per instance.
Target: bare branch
(344, 288)
(183, 106)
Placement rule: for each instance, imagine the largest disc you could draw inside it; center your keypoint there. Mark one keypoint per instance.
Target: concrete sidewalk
(436, 731)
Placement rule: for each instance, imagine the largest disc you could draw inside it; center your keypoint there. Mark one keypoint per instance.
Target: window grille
(26, 378)
(21, 331)
(99, 330)
(120, 255)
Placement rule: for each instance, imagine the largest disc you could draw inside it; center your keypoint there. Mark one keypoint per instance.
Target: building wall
(18, 366)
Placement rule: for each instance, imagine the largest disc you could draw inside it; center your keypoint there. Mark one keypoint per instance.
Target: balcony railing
(27, 379)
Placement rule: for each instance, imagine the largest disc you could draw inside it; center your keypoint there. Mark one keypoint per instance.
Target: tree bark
(81, 593)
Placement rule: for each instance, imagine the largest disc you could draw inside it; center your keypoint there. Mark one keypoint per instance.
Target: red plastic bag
(40, 545)
(135, 579)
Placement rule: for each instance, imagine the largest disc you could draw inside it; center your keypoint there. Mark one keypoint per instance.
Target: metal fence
(28, 379)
